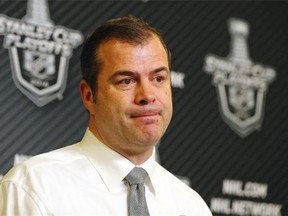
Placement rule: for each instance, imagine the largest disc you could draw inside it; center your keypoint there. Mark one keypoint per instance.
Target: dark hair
(129, 29)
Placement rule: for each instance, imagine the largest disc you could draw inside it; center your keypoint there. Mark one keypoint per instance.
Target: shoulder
(43, 162)
(174, 181)
(184, 196)
(28, 186)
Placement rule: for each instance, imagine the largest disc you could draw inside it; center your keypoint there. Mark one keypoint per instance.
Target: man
(126, 89)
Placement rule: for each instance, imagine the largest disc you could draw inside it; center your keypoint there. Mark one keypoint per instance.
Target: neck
(140, 158)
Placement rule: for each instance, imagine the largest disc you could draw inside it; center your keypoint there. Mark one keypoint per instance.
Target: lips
(147, 116)
(144, 112)
(143, 115)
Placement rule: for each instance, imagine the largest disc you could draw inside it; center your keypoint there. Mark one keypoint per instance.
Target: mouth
(144, 115)
(147, 117)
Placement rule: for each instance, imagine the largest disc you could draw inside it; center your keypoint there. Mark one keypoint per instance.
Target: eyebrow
(132, 73)
(160, 69)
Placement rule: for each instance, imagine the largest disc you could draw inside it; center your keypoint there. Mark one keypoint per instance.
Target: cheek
(166, 101)
(166, 96)
(114, 101)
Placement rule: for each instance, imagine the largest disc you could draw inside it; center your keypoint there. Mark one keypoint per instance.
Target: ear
(87, 96)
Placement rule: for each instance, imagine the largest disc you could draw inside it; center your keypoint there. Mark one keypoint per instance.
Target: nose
(144, 94)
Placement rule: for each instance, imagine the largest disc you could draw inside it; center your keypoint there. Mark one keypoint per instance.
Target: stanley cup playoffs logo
(241, 84)
(39, 52)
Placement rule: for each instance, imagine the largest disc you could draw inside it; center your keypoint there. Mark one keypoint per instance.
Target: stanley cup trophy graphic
(239, 32)
(39, 52)
(241, 98)
(241, 84)
(38, 64)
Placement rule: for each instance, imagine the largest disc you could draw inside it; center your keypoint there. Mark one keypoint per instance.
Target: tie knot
(136, 176)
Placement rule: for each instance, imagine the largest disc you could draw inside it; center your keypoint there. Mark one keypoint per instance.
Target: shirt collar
(110, 165)
(149, 166)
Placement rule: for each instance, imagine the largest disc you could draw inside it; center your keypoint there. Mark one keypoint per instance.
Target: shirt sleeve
(18, 199)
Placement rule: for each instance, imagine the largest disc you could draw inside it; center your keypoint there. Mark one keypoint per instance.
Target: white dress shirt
(87, 179)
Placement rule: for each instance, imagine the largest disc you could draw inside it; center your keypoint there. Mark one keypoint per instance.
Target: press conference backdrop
(228, 138)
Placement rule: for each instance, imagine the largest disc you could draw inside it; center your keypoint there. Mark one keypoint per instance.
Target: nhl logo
(39, 52)
(241, 84)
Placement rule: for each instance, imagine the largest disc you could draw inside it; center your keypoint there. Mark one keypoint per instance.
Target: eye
(126, 81)
(159, 78)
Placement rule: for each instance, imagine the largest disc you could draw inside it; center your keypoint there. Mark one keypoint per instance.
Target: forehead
(115, 54)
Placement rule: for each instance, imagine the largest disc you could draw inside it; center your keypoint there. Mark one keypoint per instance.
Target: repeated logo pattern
(241, 84)
(39, 52)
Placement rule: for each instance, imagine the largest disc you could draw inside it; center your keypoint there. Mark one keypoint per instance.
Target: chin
(148, 136)
(150, 141)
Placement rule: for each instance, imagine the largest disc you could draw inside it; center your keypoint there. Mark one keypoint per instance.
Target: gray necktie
(137, 205)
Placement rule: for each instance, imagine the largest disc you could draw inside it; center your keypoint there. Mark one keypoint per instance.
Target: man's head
(129, 29)
(133, 105)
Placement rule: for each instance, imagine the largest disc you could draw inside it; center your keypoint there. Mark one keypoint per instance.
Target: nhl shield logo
(39, 52)
(241, 84)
